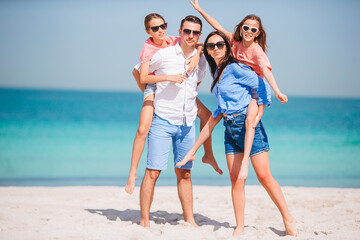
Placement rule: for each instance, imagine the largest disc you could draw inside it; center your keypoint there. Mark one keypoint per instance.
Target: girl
(231, 86)
(248, 45)
(156, 27)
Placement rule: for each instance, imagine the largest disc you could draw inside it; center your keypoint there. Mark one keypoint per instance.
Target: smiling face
(190, 34)
(160, 34)
(248, 36)
(217, 53)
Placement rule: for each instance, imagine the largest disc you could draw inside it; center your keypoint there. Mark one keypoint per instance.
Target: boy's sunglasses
(219, 45)
(188, 32)
(156, 28)
(252, 29)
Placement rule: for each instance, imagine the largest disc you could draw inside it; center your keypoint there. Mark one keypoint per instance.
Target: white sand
(109, 213)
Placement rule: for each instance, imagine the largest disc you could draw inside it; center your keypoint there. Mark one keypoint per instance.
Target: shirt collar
(180, 51)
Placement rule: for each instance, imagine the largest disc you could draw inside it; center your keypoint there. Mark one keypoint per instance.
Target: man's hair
(193, 19)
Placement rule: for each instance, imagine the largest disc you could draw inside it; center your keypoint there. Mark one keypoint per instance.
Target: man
(174, 119)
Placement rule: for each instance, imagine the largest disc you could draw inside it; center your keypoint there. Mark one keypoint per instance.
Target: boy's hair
(149, 17)
(261, 39)
(193, 19)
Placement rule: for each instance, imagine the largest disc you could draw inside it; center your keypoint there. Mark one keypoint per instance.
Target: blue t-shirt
(233, 91)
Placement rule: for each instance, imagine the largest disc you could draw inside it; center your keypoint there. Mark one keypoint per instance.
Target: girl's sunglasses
(156, 28)
(252, 29)
(188, 32)
(219, 45)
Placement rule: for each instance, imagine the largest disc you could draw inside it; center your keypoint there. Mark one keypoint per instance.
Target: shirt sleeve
(261, 59)
(147, 52)
(155, 62)
(249, 78)
(216, 112)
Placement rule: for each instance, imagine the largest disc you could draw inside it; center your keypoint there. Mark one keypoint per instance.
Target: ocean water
(60, 138)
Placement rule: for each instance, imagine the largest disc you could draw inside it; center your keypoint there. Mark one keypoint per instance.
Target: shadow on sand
(278, 232)
(159, 217)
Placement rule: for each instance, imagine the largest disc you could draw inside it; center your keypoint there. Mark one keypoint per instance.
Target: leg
(147, 194)
(249, 136)
(136, 75)
(237, 190)
(204, 115)
(146, 116)
(261, 166)
(184, 187)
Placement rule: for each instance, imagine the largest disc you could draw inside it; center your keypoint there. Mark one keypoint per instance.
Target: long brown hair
(228, 58)
(261, 39)
(149, 17)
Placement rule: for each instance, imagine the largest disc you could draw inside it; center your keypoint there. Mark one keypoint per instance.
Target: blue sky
(93, 45)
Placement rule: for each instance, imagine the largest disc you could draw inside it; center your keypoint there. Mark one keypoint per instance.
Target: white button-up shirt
(173, 101)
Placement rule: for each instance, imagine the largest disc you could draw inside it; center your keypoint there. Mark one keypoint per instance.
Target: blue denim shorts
(161, 136)
(150, 89)
(235, 136)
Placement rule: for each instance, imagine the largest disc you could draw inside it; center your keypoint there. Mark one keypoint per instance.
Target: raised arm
(145, 77)
(215, 24)
(271, 80)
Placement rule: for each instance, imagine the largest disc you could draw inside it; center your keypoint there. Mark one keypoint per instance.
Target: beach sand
(109, 213)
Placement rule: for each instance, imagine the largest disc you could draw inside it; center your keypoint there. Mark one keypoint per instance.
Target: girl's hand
(244, 169)
(178, 78)
(282, 97)
(193, 63)
(196, 5)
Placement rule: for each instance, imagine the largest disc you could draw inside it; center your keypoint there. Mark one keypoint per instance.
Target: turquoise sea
(61, 138)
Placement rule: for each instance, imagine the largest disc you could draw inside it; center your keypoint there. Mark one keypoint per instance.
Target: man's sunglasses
(219, 45)
(188, 32)
(156, 28)
(252, 29)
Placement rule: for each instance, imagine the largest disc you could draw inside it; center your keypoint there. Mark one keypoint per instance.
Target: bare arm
(215, 24)
(271, 80)
(145, 77)
(193, 62)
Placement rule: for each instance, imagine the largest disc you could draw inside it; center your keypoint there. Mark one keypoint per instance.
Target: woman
(232, 86)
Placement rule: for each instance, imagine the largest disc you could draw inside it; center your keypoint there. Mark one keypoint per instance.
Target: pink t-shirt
(149, 48)
(254, 56)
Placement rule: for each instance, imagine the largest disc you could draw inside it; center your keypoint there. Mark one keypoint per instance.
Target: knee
(154, 175)
(142, 131)
(184, 175)
(135, 73)
(264, 178)
(249, 122)
(236, 182)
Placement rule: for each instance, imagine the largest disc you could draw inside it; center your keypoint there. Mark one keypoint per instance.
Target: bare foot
(238, 231)
(188, 157)
(193, 223)
(145, 224)
(130, 185)
(290, 227)
(212, 162)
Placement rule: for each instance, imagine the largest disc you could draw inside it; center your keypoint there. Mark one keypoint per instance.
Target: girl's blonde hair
(261, 39)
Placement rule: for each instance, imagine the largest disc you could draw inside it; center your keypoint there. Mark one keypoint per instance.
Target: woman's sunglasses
(219, 45)
(156, 28)
(188, 32)
(252, 29)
